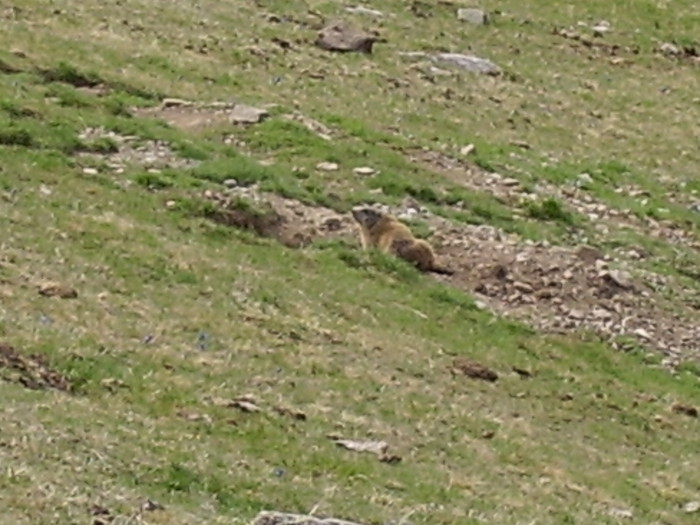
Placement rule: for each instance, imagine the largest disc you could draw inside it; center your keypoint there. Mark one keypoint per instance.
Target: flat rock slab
(281, 518)
(469, 63)
(244, 114)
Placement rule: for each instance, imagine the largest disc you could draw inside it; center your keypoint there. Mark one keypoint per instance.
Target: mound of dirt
(555, 289)
(289, 221)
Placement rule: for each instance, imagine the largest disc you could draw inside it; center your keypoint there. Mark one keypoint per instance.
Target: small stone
(584, 179)
(641, 332)
(576, 314)
(407, 215)
(473, 16)
(621, 513)
(669, 49)
(409, 203)
(601, 28)
(230, 183)
(466, 150)
(621, 279)
(90, 171)
(327, 166)
(438, 71)
(510, 182)
(175, 102)
(691, 507)
(481, 305)
(523, 287)
(364, 171)
(522, 144)
(170, 204)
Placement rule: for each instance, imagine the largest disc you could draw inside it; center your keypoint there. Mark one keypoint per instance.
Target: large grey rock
(244, 114)
(466, 62)
(343, 38)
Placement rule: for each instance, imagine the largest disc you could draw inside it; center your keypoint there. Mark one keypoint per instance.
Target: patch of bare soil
(189, 116)
(555, 289)
(509, 191)
(120, 151)
(32, 371)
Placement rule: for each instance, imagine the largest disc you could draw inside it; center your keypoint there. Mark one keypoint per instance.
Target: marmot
(385, 232)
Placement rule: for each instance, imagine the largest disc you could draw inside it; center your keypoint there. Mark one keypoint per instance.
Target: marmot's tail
(442, 270)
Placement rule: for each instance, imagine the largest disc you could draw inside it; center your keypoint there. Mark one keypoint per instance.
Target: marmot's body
(384, 232)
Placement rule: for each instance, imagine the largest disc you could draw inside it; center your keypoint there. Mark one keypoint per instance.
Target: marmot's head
(368, 217)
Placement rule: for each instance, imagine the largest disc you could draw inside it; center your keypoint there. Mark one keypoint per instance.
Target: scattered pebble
(601, 28)
(669, 49)
(327, 166)
(364, 171)
(466, 150)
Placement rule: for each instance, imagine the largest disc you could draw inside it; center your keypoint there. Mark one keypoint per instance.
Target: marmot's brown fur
(385, 232)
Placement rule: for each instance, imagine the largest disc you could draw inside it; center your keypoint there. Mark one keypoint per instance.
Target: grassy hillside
(188, 326)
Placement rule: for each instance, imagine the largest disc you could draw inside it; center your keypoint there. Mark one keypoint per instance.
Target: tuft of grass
(13, 135)
(68, 74)
(244, 170)
(549, 209)
(101, 145)
(153, 181)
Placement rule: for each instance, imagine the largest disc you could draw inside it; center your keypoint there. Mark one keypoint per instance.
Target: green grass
(177, 315)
